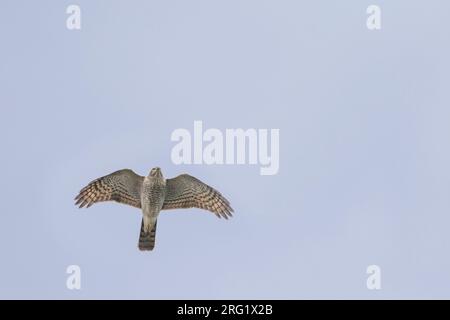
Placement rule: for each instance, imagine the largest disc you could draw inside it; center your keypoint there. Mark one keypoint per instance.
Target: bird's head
(155, 172)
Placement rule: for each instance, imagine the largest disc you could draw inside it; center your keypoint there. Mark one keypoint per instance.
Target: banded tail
(147, 239)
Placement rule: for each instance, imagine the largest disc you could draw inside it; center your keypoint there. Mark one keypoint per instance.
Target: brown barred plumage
(186, 191)
(123, 186)
(152, 194)
(147, 239)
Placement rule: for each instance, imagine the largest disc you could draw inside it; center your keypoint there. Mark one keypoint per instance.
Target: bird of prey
(152, 194)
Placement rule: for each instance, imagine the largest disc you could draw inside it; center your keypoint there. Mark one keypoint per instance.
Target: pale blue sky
(364, 147)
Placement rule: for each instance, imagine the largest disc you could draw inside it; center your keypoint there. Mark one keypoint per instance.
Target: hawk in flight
(152, 194)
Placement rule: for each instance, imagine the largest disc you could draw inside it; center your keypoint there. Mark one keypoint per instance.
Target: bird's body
(152, 194)
(152, 200)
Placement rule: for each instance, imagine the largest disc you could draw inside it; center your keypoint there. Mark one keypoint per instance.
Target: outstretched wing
(123, 186)
(186, 191)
